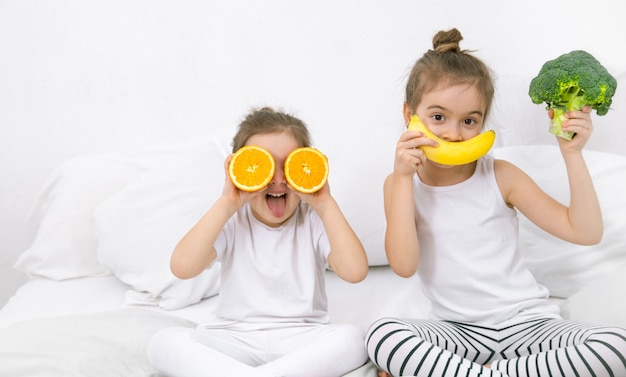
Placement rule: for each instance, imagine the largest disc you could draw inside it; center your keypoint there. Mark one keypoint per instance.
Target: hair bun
(445, 41)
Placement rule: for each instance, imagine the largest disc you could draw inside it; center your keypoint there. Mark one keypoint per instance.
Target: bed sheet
(92, 326)
(381, 294)
(41, 298)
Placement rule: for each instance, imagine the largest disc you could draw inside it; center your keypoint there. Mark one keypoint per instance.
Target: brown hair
(267, 120)
(447, 63)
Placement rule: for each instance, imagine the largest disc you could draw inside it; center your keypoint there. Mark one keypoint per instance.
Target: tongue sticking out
(276, 204)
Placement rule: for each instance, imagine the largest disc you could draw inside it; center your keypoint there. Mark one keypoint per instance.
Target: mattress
(96, 326)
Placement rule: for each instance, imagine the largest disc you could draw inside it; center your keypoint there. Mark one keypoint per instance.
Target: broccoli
(568, 83)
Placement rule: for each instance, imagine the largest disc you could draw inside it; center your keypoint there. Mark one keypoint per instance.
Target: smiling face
(276, 203)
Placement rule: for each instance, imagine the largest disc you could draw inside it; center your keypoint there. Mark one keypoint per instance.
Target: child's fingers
(584, 113)
(577, 119)
(408, 159)
(414, 139)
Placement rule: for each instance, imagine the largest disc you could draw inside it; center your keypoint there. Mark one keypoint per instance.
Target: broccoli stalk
(572, 99)
(570, 82)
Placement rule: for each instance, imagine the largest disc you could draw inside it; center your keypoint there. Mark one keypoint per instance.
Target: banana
(453, 152)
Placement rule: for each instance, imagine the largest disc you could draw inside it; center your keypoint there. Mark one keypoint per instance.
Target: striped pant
(537, 347)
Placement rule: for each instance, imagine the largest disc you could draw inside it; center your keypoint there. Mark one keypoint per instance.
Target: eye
(438, 117)
(469, 122)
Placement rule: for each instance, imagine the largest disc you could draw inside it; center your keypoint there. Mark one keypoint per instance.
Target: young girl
(490, 316)
(274, 246)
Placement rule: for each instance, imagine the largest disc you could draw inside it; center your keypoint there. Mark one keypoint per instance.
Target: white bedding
(100, 283)
(382, 293)
(90, 326)
(102, 343)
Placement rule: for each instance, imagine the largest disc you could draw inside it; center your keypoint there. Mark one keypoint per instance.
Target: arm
(347, 256)
(581, 221)
(401, 243)
(195, 251)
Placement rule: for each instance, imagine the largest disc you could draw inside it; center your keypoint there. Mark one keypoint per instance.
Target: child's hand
(314, 199)
(408, 154)
(580, 123)
(231, 193)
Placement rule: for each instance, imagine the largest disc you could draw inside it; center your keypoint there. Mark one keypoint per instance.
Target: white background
(80, 77)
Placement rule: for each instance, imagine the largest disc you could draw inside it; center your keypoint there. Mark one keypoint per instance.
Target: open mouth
(276, 202)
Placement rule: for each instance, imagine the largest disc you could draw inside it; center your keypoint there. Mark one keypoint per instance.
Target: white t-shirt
(470, 262)
(273, 274)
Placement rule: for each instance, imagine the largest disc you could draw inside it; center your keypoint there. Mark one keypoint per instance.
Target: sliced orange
(306, 169)
(251, 168)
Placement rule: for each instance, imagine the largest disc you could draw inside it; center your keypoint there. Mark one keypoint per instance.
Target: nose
(279, 176)
(451, 133)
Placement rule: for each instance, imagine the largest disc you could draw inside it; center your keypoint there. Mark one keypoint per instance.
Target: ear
(407, 112)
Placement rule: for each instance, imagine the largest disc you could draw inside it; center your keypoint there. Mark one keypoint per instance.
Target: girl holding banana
(490, 317)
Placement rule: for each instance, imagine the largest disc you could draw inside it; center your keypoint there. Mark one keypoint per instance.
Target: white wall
(80, 77)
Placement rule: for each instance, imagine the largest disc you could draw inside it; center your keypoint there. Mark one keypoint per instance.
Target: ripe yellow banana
(453, 152)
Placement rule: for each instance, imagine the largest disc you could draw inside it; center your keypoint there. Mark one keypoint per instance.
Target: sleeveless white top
(470, 263)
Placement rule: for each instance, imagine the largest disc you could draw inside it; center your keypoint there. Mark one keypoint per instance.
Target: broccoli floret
(570, 82)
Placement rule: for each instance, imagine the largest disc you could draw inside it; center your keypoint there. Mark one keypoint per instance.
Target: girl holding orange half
(274, 242)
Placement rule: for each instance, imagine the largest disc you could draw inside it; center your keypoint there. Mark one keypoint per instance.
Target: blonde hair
(447, 63)
(267, 120)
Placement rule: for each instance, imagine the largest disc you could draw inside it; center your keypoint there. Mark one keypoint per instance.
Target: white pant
(294, 351)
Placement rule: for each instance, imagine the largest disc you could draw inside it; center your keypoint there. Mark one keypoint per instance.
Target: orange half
(251, 168)
(306, 169)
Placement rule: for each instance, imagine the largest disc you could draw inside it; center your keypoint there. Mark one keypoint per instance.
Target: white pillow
(64, 246)
(561, 266)
(356, 178)
(600, 302)
(138, 227)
